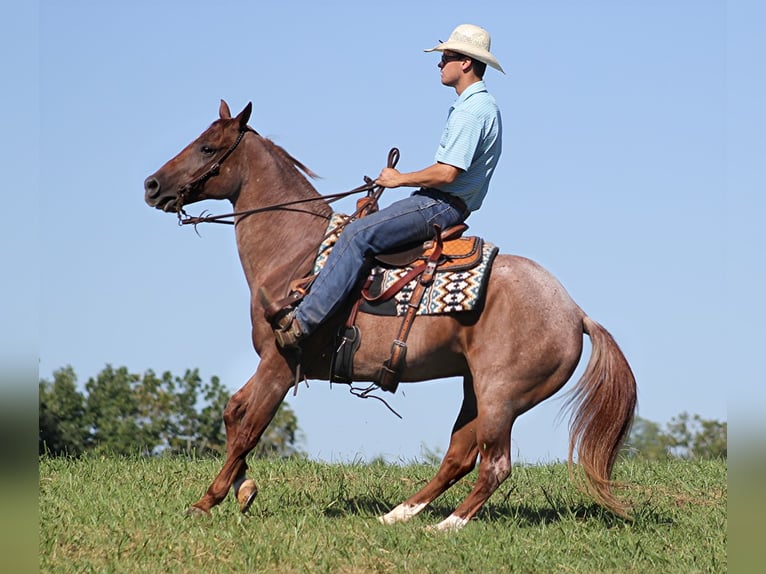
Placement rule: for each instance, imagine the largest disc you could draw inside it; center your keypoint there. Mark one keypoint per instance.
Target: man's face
(451, 65)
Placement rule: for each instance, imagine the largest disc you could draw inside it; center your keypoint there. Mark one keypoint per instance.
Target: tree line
(126, 413)
(684, 437)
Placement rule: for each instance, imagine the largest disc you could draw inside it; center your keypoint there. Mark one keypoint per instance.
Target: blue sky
(632, 169)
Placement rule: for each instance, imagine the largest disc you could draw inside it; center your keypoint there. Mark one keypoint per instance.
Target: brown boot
(289, 333)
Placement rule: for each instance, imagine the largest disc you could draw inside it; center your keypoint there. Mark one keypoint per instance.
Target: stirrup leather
(391, 371)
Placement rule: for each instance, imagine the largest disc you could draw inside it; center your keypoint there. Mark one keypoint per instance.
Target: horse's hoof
(196, 511)
(450, 524)
(246, 494)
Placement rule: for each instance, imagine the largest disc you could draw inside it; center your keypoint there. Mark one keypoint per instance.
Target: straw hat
(472, 41)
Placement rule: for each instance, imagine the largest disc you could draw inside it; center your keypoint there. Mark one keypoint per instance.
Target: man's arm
(434, 175)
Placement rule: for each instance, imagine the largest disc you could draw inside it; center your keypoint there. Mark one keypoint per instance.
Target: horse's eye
(207, 150)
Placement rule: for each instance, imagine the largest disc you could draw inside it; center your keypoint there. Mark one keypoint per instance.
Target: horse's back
(527, 315)
(526, 286)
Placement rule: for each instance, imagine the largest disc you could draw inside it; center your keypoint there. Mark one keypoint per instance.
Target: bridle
(212, 171)
(373, 191)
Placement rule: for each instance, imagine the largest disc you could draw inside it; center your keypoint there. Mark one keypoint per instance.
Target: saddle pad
(331, 238)
(450, 292)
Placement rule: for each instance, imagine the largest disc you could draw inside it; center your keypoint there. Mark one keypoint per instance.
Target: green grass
(127, 515)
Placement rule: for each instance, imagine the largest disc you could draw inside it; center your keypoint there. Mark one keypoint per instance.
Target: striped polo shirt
(471, 141)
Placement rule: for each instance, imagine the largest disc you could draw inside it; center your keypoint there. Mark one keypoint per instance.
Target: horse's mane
(282, 155)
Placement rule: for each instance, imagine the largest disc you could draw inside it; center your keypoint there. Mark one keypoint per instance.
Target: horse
(519, 348)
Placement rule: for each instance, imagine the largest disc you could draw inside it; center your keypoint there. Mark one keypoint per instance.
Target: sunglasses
(447, 58)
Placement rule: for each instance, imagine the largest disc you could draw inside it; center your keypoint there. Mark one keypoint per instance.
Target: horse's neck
(277, 246)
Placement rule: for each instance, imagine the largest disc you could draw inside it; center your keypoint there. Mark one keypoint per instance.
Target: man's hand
(389, 177)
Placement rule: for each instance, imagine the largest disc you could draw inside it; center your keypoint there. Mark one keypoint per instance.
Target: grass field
(127, 515)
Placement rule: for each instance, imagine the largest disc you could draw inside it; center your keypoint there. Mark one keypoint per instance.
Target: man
(449, 190)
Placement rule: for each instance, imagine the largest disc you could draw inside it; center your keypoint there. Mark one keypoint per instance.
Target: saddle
(452, 239)
(451, 251)
(448, 251)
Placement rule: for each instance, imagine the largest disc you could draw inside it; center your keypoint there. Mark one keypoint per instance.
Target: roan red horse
(516, 351)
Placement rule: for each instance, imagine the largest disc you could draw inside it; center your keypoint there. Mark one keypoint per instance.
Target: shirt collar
(474, 88)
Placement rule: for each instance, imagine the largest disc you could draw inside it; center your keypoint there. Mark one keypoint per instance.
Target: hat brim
(468, 50)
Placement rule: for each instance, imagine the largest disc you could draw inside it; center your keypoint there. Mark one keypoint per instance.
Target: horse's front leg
(245, 489)
(247, 415)
(232, 418)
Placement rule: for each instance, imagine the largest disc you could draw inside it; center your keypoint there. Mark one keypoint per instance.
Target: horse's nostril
(152, 187)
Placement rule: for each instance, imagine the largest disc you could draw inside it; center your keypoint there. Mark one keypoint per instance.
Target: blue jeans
(404, 222)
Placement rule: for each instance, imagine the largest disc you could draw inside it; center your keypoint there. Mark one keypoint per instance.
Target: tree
(61, 415)
(685, 436)
(114, 413)
(211, 434)
(646, 441)
(196, 421)
(126, 413)
(131, 413)
(695, 437)
(156, 404)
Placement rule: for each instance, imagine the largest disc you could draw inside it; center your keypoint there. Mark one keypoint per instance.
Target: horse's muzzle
(155, 196)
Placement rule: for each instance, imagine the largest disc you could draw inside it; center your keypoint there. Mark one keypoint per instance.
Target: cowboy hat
(471, 41)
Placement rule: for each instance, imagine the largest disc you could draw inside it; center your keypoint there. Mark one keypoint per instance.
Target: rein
(374, 192)
(225, 217)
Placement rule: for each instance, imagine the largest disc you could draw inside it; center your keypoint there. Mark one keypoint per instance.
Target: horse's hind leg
(493, 439)
(459, 460)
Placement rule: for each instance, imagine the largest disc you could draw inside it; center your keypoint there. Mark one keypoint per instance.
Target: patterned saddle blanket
(454, 289)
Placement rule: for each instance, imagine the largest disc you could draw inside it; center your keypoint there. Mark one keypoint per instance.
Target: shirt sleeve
(459, 140)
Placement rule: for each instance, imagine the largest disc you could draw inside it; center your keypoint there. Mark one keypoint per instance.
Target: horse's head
(200, 171)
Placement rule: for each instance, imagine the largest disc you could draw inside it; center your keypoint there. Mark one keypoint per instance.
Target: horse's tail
(603, 404)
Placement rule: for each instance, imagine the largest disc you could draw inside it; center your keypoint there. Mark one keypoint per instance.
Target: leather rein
(373, 191)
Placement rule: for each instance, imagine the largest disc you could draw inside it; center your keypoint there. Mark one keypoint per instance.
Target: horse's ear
(244, 115)
(223, 111)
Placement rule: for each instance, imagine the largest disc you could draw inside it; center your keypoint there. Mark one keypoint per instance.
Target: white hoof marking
(401, 513)
(451, 524)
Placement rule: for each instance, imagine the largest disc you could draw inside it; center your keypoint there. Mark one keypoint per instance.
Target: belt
(452, 200)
